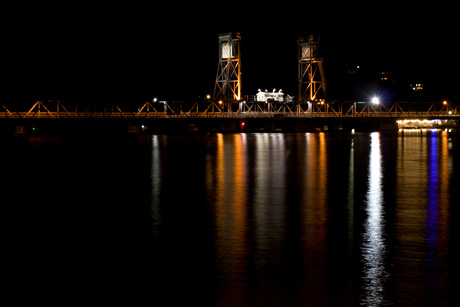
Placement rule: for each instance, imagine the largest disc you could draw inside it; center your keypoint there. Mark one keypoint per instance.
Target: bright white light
(155, 99)
(374, 242)
(375, 100)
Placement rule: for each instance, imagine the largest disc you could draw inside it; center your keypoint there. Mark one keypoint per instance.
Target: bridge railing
(246, 110)
(134, 115)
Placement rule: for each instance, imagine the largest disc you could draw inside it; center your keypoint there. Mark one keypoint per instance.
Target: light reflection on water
(156, 183)
(277, 217)
(425, 168)
(350, 199)
(238, 219)
(229, 170)
(268, 191)
(374, 243)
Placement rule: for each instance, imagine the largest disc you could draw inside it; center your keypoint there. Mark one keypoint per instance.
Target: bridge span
(164, 117)
(244, 109)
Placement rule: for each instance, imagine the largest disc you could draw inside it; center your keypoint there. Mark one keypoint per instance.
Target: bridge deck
(152, 115)
(56, 110)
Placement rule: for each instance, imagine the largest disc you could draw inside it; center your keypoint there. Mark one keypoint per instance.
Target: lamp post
(375, 101)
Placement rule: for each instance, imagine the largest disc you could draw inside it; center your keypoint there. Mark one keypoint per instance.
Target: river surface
(263, 219)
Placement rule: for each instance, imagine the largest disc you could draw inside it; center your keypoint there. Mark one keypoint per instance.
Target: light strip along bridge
(207, 109)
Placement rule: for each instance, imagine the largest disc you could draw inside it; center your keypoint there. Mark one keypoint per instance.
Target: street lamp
(375, 100)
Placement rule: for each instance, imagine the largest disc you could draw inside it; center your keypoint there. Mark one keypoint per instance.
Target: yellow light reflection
(315, 201)
(239, 190)
(316, 191)
(230, 173)
(410, 213)
(411, 182)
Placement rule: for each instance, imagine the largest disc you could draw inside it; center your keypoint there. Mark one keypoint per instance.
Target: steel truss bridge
(244, 109)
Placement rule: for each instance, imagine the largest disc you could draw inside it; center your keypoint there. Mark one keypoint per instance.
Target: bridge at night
(227, 109)
(243, 109)
(249, 116)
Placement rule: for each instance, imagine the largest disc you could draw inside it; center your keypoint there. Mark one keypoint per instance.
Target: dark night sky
(130, 54)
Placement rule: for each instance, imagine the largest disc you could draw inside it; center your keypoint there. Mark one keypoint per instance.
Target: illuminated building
(417, 87)
(273, 96)
(385, 76)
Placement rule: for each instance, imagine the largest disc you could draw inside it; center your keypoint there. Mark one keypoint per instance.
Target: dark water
(307, 219)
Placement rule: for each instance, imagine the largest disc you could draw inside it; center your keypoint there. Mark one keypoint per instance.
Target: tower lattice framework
(228, 79)
(311, 78)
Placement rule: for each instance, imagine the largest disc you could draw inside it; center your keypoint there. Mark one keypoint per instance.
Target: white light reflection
(155, 174)
(374, 244)
(269, 198)
(351, 197)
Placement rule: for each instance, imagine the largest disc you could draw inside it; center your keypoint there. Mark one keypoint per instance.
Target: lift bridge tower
(312, 82)
(228, 80)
